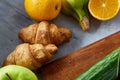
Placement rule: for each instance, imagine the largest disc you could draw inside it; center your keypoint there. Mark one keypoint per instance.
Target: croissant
(31, 56)
(44, 33)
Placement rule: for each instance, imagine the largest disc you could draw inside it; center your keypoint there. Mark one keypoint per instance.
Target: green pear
(15, 72)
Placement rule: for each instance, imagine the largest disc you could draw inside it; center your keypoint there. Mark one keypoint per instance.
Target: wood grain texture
(12, 19)
(72, 65)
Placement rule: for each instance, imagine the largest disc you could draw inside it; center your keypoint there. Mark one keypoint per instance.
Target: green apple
(15, 72)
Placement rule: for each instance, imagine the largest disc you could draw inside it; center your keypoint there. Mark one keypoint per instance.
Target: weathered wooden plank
(70, 66)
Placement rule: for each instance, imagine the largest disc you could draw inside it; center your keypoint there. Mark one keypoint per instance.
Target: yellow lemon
(104, 9)
(42, 9)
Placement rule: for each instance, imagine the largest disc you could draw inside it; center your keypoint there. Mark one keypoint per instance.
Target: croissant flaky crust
(31, 56)
(45, 33)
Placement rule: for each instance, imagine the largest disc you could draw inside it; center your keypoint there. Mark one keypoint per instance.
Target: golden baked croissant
(31, 56)
(44, 33)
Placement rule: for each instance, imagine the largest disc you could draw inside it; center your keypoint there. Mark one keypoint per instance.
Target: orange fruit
(42, 9)
(103, 9)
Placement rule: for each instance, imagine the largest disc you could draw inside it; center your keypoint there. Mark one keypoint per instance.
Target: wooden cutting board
(74, 64)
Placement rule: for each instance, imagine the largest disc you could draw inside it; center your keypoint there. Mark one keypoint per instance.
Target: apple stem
(8, 76)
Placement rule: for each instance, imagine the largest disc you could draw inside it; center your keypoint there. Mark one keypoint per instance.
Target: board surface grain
(74, 64)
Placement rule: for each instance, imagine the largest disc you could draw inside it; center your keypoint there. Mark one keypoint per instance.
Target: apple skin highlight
(15, 72)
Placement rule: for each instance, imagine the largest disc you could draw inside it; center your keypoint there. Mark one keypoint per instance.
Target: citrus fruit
(42, 9)
(103, 9)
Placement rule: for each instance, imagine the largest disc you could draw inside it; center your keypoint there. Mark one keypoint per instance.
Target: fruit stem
(85, 23)
(83, 19)
(8, 76)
